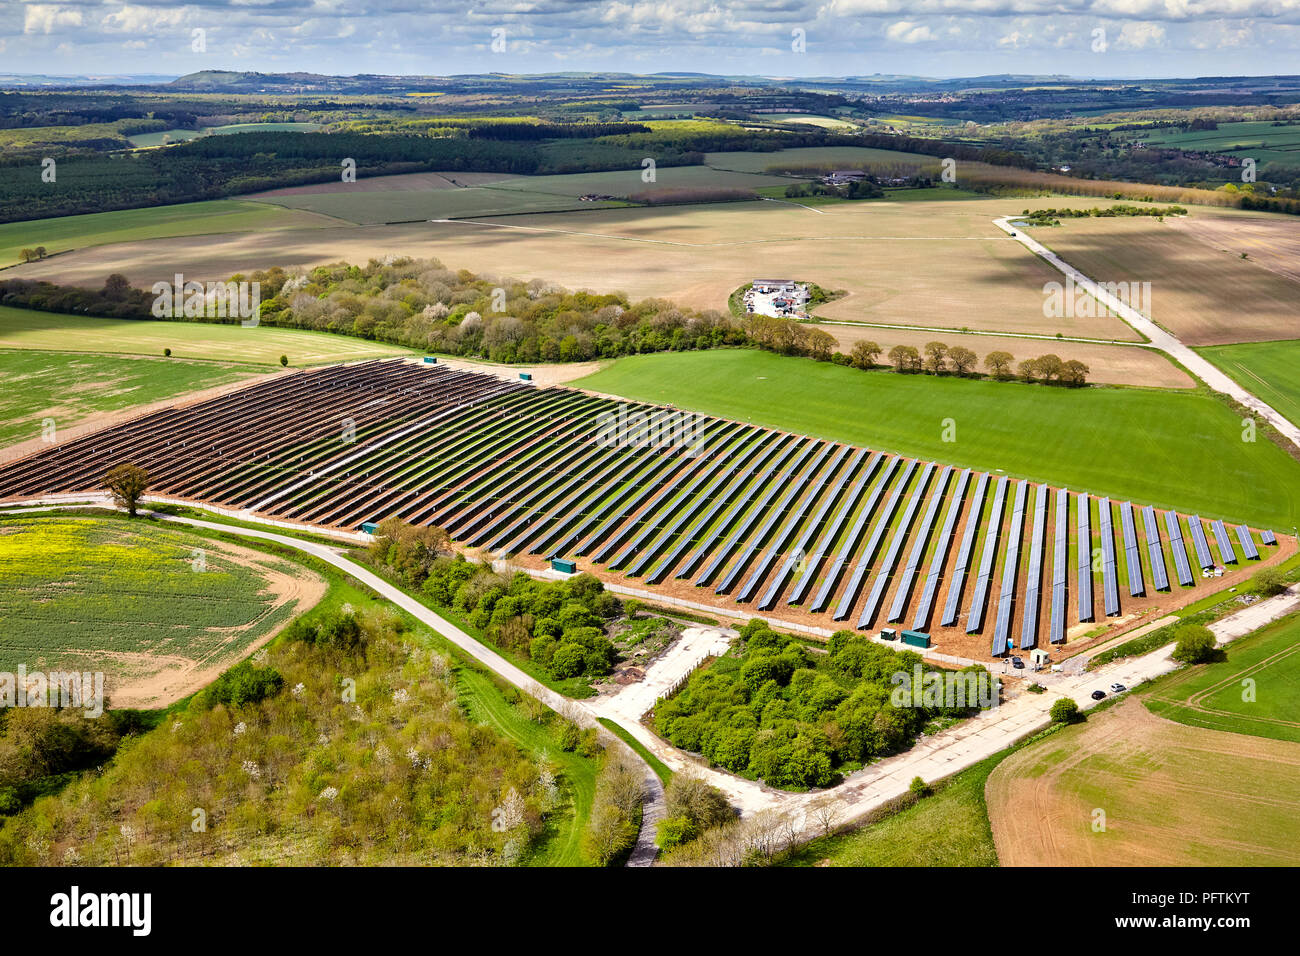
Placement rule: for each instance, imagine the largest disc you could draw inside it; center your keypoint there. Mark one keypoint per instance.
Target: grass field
(1189, 445)
(1262, 141)
(1216, 695)
(47, 331)
(68, 388)
(1171, 796)
(160, 222)
(1268, 369)
(154, 608)
(950, 828)
(844, 157)
(181, 135)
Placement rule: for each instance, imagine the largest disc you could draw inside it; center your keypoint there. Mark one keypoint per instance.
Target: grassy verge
(658, 766)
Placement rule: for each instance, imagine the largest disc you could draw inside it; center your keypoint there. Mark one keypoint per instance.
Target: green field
(950, 828)
(1212, 696)
(181, 135)
(160, 222)
(1262, 141)
(76, 590)
(48, 331)
(1187, 443)
(68, 388)
(1268, 369)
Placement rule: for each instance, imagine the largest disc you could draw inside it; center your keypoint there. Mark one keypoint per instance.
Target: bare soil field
(1109, 364)
(1171, 795)
(940, 263)
(1204, 294)
(1272, 242)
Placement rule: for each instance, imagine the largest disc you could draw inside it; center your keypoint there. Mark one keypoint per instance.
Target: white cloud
(906, 31)
(46, 18)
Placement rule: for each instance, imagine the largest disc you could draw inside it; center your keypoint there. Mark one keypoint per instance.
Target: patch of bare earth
(1165, 795)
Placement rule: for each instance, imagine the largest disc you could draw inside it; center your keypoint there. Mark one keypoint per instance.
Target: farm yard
(813, 530)
(162, 612)
(1165, 789)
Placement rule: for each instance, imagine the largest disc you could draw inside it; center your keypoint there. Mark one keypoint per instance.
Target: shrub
(1065, 711)
(1269, 581)
(1196, 644)
(245, 683)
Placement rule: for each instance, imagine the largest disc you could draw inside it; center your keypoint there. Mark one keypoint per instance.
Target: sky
(779, 38)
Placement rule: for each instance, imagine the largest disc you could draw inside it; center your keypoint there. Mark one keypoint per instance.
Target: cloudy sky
(1120, 38)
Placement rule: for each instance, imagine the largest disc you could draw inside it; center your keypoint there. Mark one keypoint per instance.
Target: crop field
(506, 195)
(1190, 444)
(1109, 364)
(1203, 293)
(187, 219)
(843, 157)
(180, 135)
(262, 345)
(66, 389)
(161, 612)
(1264, 142)
(1172, 796)
(1268, 369)
(1216, 695)
(1271, 242)
(823, 531)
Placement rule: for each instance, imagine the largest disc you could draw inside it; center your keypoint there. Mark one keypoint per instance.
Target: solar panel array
(1268, 537)
(1224, 542)
(1198, 540)
(769, 518)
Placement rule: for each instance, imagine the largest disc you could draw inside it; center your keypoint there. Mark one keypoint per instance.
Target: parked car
(1017, 663)
(1117, 688)
(1098, 694)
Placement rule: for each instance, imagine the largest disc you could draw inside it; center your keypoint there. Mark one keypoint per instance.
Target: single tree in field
(1196, 645)
(998, 363)
(27, 255)
(962, 359)
(936, 357)
(284, 361)
(865, 354)
(127, 483)
(40, 252)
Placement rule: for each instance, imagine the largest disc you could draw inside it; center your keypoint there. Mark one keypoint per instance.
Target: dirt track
(1172, 796)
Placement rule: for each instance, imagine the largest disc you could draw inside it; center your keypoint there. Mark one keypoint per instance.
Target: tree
(167, 353)
(127, 483)
(27, 255)
(905, 358)
(284, 361)
(1065, 711)
(962, 359)
(1049, 367)
(936, 357)
(1196, 644)
(40, 252)
(999, 364)
(1074, 373)
(1029, 370)
(1269, 581)
(608, 835)
(116, 287)
(820, 344)
(864, 354)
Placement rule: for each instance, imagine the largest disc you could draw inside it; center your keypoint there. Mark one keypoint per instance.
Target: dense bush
(775, 710)
(1196, 644)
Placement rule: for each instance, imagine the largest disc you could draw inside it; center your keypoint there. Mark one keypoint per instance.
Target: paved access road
(1165, 341)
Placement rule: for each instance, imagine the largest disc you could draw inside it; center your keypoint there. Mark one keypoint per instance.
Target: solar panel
(922, 617)
(1060, 569)
(975, 617)
(953, 604)
(1109, 579)
(850, 596)
(1151, 527)
(1034, 589)
(1132, 554)
(904, 590)
(1181, 565)
(1247, 545)
(850, 502)
(1268, 537)
(1083, 548)
(1224, 542)
(1010, 568)
(854, 537)
(878, 586)
(1198, 540)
